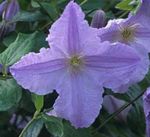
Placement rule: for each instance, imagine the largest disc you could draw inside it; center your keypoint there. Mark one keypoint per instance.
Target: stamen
(75, 61)
(127, 34)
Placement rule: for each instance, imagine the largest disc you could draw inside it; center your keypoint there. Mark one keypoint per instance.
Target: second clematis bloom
(76, 66)
(133, 31)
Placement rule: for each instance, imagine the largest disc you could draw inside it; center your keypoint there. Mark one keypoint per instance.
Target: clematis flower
(133, 31)
(76, 66)
(112, 104)
(146, 99)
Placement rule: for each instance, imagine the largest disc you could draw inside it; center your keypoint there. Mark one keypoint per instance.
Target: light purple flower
(76, 66)
(133, 31)
(112, 104)
(146, 99)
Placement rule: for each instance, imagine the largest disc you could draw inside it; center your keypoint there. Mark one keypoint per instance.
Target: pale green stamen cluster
(127, 34)
(75, 61)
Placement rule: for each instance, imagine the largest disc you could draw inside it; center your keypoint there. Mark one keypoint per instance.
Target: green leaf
(33, 128)
(50, 8)
(38, 101)
(125, 5)
(54, 125)
(10, 94)
(23, 44)
(129, 5)
(9, 39)
(70, 131)
(29, 16)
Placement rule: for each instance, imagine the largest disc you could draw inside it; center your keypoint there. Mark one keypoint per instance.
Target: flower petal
(39, 72)
(80, 99)
(116, 65)
(110, 32)
(148, 126)
(142, 37)
(70, 31)
(146, 101)
(142, 15)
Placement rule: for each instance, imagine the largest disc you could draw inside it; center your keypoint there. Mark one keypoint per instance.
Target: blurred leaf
(24, 3)
(33, 129)
(136, 120)
(92, 4)
(9, 39)
(10, 94)
(54, 125)
(38, 101)
(70, 131)
(23, 44)
(29, 16)
(50, 8)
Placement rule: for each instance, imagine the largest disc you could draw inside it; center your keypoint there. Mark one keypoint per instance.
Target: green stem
(83, 2)
(36, 114)
(124, 14)
(119, 110)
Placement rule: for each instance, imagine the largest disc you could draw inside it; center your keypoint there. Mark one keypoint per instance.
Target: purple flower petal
(70, 30)
(41, 72)
(148, 126)
(146, 99)
(79, 100)
(119, 62)
(142, 15)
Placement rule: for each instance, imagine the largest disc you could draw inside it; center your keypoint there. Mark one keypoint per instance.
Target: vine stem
(118, 111)
(30, 122)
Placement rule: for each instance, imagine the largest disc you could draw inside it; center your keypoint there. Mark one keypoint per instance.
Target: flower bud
(99, 19)
(2, 6)
(112, 104)
(19, 121)
(11, 10)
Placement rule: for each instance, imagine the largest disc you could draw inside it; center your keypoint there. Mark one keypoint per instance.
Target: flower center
(127, 34)
(75, 61)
